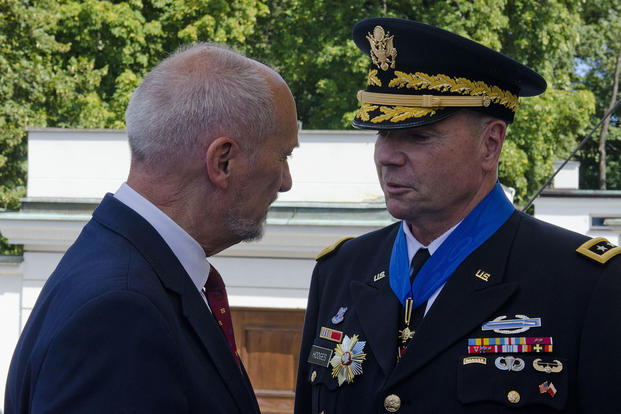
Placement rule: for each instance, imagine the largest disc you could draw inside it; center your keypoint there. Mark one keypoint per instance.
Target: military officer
(465, 305)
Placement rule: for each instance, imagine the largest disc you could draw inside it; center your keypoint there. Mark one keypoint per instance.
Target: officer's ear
(493, 137)
(222, 156)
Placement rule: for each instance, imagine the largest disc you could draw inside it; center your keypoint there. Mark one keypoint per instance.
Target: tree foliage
(69, 63)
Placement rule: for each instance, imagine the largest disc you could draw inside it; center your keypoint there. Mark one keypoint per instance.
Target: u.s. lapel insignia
(383, 53)
(547, 387)
(347, 360)
(338, 318)
(331, 334)
(483, 275)
(502, 325)
(379, 276)
(599, 249)
(547, 367)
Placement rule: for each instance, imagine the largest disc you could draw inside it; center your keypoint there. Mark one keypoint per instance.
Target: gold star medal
(347, 359)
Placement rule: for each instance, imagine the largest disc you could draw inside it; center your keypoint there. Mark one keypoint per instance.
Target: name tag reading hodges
(320, 356)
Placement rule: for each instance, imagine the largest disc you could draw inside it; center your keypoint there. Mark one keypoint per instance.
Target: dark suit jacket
(119, 327)
(534, 271)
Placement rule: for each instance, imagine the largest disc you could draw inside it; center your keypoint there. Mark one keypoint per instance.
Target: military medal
(347, 359)
(406, 334)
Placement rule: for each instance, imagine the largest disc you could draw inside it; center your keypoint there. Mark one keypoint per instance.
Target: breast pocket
(513, 380)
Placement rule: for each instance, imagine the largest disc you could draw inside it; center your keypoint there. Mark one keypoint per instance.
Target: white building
(335, 194)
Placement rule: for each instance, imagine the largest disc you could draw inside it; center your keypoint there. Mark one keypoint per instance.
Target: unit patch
(599, 249)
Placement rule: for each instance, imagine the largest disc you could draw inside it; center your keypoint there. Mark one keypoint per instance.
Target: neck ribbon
(478, 226)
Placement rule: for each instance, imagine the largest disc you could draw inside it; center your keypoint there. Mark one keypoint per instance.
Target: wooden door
(268, 341)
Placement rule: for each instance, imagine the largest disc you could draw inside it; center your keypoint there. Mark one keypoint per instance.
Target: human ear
(493, 138)
(219, 159)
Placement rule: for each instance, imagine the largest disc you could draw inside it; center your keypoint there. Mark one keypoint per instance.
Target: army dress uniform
(527, 270)
(529, 315)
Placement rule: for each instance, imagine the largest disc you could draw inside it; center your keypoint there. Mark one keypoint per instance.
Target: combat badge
(502, 325)
(338, 318)
(547, 367)
(599, 249)
(347, 360)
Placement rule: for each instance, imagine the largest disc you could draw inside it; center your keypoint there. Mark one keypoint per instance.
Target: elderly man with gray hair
(135, 319)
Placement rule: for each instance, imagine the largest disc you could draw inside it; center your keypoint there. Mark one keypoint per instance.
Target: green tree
(596, 58)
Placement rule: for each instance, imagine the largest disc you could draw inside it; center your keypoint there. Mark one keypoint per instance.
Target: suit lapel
(377, 306)
(125, 221)
(465, 302)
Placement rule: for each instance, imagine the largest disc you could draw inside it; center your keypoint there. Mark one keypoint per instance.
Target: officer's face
(432, 173)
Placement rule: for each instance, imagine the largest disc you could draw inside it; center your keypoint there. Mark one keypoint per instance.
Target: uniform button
(392, 403)
(313, 376)
(513, 397)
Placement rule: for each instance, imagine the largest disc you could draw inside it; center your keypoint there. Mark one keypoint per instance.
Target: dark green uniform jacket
(527, 269)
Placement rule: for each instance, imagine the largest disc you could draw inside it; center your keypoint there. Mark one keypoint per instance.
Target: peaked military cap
(420, 74)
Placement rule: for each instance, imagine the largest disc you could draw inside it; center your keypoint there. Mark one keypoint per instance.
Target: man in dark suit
(465, 305)
(134, 319)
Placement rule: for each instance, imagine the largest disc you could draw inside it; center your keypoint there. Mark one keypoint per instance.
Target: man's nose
(286, 182)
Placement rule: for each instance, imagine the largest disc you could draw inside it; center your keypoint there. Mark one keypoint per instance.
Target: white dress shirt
(414, 245)
(189, 253)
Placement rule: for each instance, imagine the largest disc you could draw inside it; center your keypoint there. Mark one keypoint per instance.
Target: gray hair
(197, 94)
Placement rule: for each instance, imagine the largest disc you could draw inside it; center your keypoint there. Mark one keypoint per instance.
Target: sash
(478, 226)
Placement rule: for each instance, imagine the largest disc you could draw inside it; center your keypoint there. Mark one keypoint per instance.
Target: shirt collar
(414, 245)
(187, 250)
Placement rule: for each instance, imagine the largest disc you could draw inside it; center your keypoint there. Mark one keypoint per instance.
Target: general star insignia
(347, 359)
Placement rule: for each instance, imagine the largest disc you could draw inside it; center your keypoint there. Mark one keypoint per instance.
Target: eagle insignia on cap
(383, 53)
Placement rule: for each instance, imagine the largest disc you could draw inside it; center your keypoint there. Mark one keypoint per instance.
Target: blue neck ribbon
(478, 226)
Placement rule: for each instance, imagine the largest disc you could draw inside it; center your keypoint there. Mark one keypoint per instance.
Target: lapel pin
(338, 318)
(502, 325)
(482, 274)
(331, 334)
(509, 363)
(549, 388)
(347, 360)
(547, 367)
(379, 276)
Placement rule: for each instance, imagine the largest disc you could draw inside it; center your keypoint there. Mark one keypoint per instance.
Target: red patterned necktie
(215, 293)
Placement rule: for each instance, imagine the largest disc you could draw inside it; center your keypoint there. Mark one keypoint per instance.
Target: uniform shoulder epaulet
(330, 250)
(599, 249)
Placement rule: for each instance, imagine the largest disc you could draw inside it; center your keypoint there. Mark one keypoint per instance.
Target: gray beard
(245, 229)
